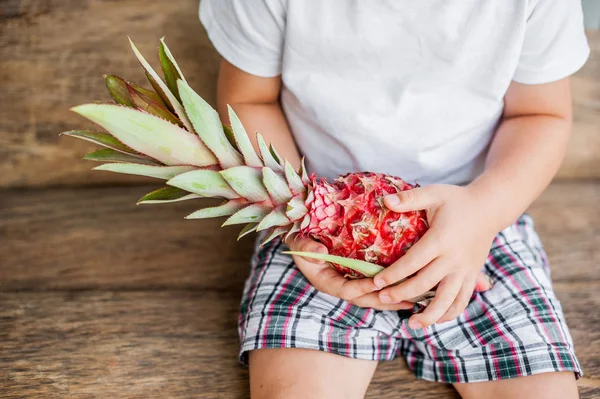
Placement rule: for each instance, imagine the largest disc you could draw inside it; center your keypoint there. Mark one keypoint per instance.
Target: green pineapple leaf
(206, 183)
(230, 136)
(276, 186)
(266, 155)
(250, 214)
(249, 228)
(166, 195)
(148, 134)
(161, 88)
(293, 179)
(366, 268)
(101, 138)
(208, 126)
(117, 88)
(275, 218)
(150, 93)
(296, 208)
(295, 228)
(278, 158)
(170, 68)
(146, 103)
(110, 155)
(158, 172)
(246, 181)
(226, 209)
(273, 233)
(243, 141)
(303, 173)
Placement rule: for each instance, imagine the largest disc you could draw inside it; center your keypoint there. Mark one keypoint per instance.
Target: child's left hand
(451, 253)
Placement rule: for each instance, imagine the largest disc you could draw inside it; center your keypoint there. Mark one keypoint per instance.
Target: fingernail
(414, 324)
(392, 200)
(321, 250)
(379, 282)
(484, 284)
(385, 298)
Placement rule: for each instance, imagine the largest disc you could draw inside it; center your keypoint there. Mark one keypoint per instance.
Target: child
(469, 98)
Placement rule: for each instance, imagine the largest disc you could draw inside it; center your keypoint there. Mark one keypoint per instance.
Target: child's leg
(559, 385)
(300, 342)
(306, 373)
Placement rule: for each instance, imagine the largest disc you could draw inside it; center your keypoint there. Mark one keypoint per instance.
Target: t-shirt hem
(233, 54)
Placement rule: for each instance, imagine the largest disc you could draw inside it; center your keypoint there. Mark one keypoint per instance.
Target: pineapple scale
(350, 219)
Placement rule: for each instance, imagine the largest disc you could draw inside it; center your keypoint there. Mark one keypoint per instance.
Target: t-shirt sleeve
(555, 44)
(247, 33)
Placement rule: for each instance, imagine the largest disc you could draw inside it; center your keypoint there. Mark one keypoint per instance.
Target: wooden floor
(100, 299)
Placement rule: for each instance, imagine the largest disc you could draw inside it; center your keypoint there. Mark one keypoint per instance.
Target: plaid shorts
(515, 329)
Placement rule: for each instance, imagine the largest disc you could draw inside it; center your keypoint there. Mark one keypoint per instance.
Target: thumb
(412, 200)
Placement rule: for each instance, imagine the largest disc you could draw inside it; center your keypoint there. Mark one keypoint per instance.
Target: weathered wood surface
(53, 55)
(86, 238)
(174, 344)
(99, 239)
(99, 298)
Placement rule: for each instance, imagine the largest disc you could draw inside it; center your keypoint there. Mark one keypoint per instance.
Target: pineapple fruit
(171, 133)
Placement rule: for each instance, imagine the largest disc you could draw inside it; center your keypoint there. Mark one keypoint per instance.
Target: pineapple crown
(173, 134)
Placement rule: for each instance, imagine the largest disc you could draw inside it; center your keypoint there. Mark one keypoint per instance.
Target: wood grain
(103, 299)
(98, 239)
(53, 55)
(176, 344)
(567, 218)
(120, 345)
(99, 298)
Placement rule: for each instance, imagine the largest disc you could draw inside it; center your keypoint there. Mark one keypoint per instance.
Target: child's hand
(359, 292)
(451, 253)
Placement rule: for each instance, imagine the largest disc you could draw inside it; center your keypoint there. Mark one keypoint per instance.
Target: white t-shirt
(412, 88)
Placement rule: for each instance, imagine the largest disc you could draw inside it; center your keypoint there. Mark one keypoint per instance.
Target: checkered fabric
(515, 329)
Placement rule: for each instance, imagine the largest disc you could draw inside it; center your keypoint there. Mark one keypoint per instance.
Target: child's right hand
(360, 292)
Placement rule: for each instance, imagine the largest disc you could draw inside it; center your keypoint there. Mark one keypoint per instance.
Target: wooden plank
(120, 345)
(98, 239)
(52, 57)
(577, 301)
(178, 344)
(567, 218)
(82, 239)
(53, 54)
